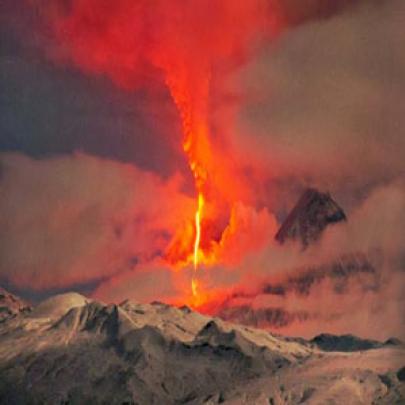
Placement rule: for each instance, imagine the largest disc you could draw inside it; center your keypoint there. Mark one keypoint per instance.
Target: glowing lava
(189, 87)
(197, 241)
(190, 45)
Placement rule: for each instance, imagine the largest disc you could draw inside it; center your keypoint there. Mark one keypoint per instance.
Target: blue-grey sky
(48, 108)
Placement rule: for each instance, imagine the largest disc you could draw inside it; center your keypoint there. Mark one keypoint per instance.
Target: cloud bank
(324, 105)
(79, 218)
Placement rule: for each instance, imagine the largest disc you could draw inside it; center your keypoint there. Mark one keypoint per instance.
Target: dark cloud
(50, 109)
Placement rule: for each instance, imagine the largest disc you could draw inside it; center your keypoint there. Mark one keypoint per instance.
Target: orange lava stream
(198, 215)
(189, 87)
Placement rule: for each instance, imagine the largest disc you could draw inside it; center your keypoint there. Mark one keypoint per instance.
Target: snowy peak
(313, 212)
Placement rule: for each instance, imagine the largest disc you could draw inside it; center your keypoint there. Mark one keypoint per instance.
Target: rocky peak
(11, 305)
(313, 212)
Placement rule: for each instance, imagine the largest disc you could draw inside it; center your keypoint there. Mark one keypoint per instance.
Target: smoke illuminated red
(181, 201)
(182, 43)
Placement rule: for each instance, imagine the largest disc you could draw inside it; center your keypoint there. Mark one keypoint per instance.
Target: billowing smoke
(77, 219)
(320, 105)
(324, 105)
(351, 281)
(184, 44)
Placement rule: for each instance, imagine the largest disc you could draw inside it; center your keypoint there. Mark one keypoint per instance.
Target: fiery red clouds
(183, 43)
(191, 48)
(127, 39)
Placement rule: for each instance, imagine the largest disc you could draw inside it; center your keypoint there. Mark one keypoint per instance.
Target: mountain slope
(72, 350)
(313, 212)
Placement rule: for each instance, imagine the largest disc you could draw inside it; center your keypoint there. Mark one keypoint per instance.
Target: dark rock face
(401, 374)
(392, 341)
(11, 305)
(344, 343)
(311, 215)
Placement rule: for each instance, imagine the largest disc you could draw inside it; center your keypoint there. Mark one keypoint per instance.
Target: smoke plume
(271, 96)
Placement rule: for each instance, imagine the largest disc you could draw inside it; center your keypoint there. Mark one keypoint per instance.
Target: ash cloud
(49, 108)
(351, 281)
(75, 219)
(321, 106)
(324, 105)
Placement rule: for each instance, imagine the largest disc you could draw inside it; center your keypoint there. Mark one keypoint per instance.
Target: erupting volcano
(202, 202)
(185, 44)
(192, 103)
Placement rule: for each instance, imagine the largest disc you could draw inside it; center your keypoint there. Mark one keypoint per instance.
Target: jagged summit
(313, 212)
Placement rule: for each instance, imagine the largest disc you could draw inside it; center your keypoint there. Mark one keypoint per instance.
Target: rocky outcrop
(313, 212)
(343, 343)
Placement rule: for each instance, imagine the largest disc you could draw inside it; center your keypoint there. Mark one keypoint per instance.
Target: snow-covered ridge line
(70, 349)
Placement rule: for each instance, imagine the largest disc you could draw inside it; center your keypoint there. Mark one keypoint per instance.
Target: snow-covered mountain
(73, 350)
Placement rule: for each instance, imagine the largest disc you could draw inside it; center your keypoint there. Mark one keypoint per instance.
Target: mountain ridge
(71, 349)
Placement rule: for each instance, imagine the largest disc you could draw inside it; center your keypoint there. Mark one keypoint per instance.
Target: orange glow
(190, 45)
(197, 241)
(189, 87)
(194, 287)
(198, 230)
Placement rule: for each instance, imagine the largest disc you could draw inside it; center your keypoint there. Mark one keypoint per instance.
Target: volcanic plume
(167, 141)
(183, 44)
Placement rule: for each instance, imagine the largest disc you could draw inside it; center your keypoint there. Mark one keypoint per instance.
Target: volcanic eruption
(251, 131)
(152, 158)
(183, 44)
